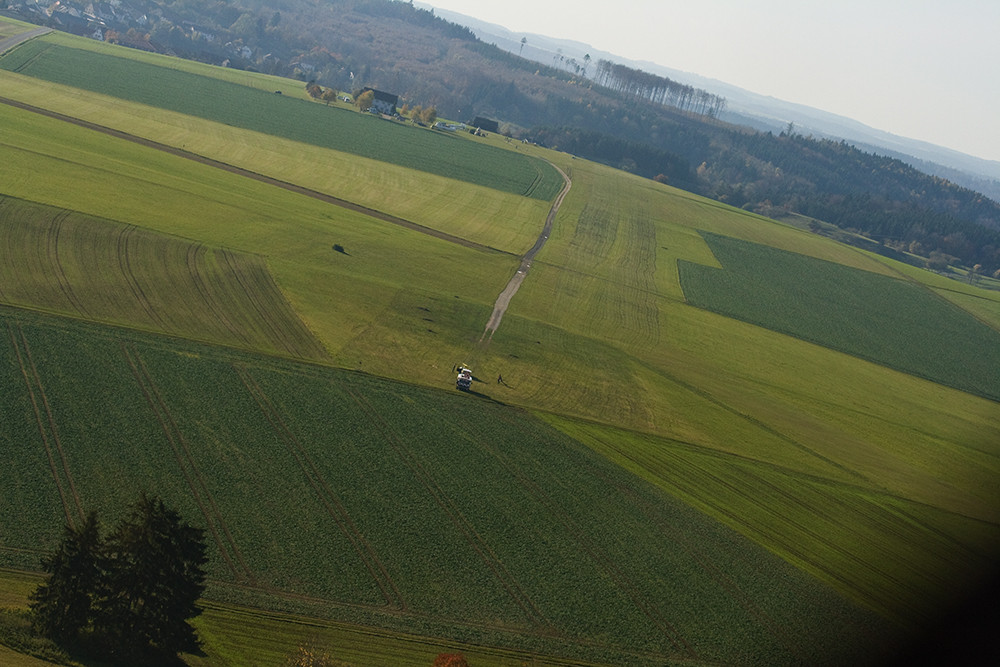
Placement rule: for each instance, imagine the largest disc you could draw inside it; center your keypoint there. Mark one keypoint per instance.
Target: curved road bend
(515, 282)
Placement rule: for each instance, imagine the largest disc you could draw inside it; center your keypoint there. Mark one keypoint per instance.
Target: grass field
(836, 473)
(888, 321)
(55, 58)
(340, 297)
(883, 550)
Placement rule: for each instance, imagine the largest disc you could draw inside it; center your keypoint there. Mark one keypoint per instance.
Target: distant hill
(762, 112)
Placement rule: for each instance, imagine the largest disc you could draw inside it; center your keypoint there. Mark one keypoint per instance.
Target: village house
(384, 103)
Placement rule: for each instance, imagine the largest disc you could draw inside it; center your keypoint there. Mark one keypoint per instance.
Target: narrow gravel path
(10, 42)
(500, 307)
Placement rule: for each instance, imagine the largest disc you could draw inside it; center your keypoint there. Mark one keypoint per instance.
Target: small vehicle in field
(464, 380)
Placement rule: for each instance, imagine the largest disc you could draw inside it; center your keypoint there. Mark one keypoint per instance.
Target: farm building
(486, 124)
(383, 102)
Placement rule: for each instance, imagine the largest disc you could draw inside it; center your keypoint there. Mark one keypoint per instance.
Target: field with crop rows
(491, 521)
(50, 59)
(888, 321)
(340, 296)
(886, 551)
(95, 269)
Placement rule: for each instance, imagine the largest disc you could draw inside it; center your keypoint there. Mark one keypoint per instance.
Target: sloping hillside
(348, 44)
(648, 476)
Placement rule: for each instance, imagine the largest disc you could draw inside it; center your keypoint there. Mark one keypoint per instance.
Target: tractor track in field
(196, 250)
(736, 519)
(504, 576)
(329, 499)
(132, 280)
(727, 583)
(703, 560)
(246, 173)
(52, 249)
(46, 426)
(596, 553)
(189, 470)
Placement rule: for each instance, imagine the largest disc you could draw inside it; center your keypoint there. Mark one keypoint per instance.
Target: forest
(603, 111)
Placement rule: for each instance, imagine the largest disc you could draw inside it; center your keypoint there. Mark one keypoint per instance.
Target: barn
(486, 124)
(383, 102)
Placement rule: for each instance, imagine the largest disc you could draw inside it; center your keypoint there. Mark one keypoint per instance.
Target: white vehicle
(464, 380)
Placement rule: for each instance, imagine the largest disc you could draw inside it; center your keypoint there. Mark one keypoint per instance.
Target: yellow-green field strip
(298, 189)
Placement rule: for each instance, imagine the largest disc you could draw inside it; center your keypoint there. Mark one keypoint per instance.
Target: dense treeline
(880, 197)
(618, 115)
(620, 153)
(659, 89)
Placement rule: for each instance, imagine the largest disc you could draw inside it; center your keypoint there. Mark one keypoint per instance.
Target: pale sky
(922, 69)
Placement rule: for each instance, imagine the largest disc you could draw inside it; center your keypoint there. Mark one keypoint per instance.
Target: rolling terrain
(669, 474)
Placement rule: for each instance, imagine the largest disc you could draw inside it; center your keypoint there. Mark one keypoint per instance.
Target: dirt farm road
(500, 307)
(10, 42)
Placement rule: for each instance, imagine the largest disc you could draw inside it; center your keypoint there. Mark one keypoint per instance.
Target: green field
(95, 269)
(53, 59)
(417, 510)
(655, 481)
(889, 321)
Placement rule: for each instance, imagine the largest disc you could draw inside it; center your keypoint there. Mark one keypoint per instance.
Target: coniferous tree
(153, 580)
(61, 607)
(127, 597)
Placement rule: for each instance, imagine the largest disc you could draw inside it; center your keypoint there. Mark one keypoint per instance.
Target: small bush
(16, 633)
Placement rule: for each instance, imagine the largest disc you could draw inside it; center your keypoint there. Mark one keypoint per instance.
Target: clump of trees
(365, 100)
(126, 597)
(633, 82)
(318, 92)
(423, 115)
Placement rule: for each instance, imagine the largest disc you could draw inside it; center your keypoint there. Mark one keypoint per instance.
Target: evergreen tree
(127, 597)
(153, 579)
(61, 607)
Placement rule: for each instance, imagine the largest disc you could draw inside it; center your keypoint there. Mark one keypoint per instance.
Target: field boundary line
(46, 422)
(182, 454)
(327, 496)
(786, 549)
(704, 561)
(262, 178)
(595, 552)
(14, 41)
(706, 395)
(254, 283)
(522, 656)
(489, 557)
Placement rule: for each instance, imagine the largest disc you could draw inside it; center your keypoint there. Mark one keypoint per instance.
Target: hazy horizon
(917, 69)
